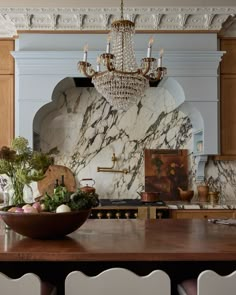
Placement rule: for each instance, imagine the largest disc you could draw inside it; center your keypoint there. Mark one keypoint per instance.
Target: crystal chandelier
(118, 77)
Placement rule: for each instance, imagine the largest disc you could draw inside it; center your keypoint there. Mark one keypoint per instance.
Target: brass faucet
(111, 169)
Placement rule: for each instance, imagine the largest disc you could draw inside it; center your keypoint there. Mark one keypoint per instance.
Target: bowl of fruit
(52, 216)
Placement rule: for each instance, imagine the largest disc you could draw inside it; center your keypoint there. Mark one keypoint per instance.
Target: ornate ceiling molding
(100, 19)
(7, 27)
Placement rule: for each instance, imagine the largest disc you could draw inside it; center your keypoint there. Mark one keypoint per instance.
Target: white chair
(117, 281)
(28, 284)
(209, 283)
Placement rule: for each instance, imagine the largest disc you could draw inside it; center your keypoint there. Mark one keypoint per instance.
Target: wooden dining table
(180, 247)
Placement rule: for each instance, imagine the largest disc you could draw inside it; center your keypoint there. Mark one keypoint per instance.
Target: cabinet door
(228, 118)
(202, 214)
(6, 59)
(228, 100)
(6, 109)
(228, 63)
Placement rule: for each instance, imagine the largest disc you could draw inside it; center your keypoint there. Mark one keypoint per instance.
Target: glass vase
(18, 192)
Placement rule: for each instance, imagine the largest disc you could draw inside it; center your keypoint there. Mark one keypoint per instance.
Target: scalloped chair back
(28, 284)
(211, 283)
(117, 281)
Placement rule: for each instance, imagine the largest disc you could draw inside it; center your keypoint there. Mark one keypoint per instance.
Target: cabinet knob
(136, 214)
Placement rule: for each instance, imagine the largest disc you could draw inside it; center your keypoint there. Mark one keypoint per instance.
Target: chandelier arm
(109, 65)
(84, 66)
(147, 61)
(160, 73)
(146, 70)
(108, 58)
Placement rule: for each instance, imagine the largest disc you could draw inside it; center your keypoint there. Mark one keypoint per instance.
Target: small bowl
(45, 225)
(186, 195)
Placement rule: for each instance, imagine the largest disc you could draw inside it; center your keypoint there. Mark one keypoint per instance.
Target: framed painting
(165, 171)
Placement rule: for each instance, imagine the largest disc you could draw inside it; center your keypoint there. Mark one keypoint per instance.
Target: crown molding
(13, 20)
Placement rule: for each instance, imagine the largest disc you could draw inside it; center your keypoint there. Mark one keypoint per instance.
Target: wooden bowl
(186, 195)
(45, 225)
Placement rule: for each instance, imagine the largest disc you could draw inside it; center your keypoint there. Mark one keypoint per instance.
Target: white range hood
(192, 60)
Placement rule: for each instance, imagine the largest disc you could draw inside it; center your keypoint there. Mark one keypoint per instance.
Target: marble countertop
(202, 206)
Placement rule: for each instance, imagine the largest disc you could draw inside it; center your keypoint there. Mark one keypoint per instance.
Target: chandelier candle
(85, 52)
(159, 61)
(98, 64)
(108, 49)
(149, 50)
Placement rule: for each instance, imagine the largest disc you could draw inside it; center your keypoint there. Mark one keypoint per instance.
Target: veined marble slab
(86, 131)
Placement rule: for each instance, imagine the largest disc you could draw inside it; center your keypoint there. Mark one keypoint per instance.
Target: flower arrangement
(22, 166)
(157, 162)
(175, 168)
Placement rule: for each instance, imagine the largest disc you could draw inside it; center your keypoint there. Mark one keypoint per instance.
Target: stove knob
(109, 214)
(127, 215)
(118, 215)
(99, 215)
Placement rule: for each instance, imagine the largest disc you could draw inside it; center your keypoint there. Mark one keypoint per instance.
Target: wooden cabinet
(228, 64)
(6, 59)
(228, 100)
(153, 212)
(228, 116)
(6, 109)
(6, 92)
(202, 214)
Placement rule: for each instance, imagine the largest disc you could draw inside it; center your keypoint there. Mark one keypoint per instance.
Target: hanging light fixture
(118, 77)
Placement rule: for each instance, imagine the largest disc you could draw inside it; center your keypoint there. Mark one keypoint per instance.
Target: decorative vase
(203, 191)
(6, 198)
(18, 192)
(213, 197)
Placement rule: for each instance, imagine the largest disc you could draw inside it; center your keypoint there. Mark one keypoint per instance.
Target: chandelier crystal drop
(118, 77)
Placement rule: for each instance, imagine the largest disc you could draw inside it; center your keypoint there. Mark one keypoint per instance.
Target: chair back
(117, 281)
(210, 283)
(28, 284)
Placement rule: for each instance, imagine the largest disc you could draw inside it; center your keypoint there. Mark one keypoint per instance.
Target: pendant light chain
(121, 10)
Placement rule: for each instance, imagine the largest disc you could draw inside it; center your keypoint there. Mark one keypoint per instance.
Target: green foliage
(158, 163)
(76, 201)
(22, 165)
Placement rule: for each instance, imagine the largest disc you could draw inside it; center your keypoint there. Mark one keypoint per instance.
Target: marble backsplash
(83, 132)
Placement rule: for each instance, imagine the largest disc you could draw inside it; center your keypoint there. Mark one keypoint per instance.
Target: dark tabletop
(127, 240)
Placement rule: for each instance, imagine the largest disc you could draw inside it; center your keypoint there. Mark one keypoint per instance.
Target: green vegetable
(76, 201)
